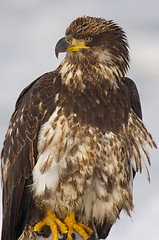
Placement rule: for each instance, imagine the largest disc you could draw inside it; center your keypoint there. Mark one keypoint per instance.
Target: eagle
(75, 140)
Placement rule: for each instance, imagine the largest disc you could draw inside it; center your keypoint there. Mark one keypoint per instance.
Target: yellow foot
(54, 223)
(80, 228)
(66, 229)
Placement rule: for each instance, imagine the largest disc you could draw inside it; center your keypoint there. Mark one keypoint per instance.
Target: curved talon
(66, 229)
(81, 231)
(73, 236)
(93, 236)
(54, 223)
(84, 231)
(64, 236)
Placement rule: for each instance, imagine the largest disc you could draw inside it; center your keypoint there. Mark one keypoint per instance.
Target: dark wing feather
(103, 230)
(34, 106)
(134, 100)
(134, 96)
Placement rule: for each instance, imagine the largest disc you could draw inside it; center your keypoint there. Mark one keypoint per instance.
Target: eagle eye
(88, 39)
(69, 39)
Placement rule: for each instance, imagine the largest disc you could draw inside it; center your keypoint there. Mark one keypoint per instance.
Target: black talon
(93, 236)
(37, 233)
(73, 236)
(64, 236)
(44, 231)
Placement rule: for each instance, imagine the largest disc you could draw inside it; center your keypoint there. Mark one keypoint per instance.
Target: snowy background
(29, 30)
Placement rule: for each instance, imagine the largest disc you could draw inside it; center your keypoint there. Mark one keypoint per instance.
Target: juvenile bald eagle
(75, 140)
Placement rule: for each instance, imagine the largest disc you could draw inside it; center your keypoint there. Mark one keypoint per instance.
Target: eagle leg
(84, 231)
(54, 223)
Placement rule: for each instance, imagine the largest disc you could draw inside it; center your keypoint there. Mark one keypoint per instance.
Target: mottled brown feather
(100, 99)
(21, 150)
(131, 89)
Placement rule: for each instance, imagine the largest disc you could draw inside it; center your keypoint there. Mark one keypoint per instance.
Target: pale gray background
(29, 30)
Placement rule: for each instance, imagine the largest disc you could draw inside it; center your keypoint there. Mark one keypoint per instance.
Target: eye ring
(88, 39)
(69, 39)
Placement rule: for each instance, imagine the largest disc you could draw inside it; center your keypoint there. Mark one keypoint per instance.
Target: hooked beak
(61, 46)
(68, 43)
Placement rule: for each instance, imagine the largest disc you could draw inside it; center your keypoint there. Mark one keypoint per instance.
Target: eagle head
(98, 41)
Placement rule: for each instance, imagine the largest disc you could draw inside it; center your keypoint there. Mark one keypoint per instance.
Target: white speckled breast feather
(81, 166)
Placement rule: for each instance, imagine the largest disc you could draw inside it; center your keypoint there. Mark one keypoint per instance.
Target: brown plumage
(76, 137)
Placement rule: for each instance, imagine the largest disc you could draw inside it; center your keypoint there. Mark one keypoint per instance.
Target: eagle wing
(133, 96)
(103, 230)
(34, 106)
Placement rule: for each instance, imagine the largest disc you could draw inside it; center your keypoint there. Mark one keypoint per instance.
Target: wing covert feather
(19, 153)
(133, 96)
(132, 92)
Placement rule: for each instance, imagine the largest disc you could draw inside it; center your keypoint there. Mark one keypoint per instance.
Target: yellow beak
(65, 45)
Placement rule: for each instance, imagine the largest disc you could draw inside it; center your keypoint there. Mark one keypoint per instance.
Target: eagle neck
(79, 75)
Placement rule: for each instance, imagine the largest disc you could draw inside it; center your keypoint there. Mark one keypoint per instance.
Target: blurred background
(29, 31)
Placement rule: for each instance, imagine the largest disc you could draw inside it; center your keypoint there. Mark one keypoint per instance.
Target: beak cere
(63, 46)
